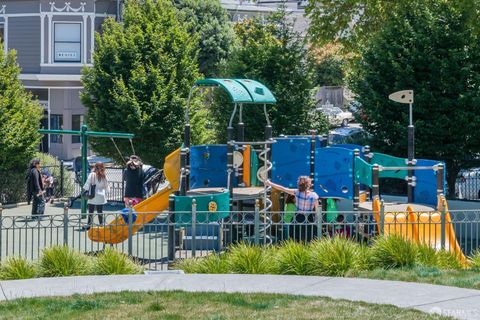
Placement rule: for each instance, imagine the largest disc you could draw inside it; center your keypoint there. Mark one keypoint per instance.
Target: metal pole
(356, 186)
(230, 164)
(65, 224)
(130, 229)
(319, 215)
(312, 153)
(240, 137)
(194, 227)
(440, 174)
(1, 228)
(443, 225)
(411, 155)
(368, 157)
(171, 228)
(382, 218)
(375, 181)
(62, 176)
(85, 166)
(257, 222)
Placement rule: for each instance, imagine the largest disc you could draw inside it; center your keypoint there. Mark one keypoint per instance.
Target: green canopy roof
(242, 90)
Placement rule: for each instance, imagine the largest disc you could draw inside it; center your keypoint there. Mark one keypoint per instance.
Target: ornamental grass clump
(293, 258)
(475, 260)
(393, 252)
(15, 268)
(250, 259)
(449, 260)
(426, 255)
(334, 256)
(112, 261)
(214, 263)
(59, 261)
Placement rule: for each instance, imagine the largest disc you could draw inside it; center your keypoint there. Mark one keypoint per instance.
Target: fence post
(130, 229)
(443, 225)
(194, 227)
(375, 180)
(257, 222)
(1, 228)
(319, 214)
(171, 228)
(382, 218)
(65, 223)
(62, 176)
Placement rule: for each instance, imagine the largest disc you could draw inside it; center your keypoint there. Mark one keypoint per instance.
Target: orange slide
(421, 226)
(117, 230)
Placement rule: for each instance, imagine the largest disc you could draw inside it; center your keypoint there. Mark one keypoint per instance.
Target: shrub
(334, 256)
(111, 261)
(364, 258)
(393, 252)
(426, 255)
(475, 260)
(251, 259)
(17, 268)
(61, 261)
(189, 265)
(214, 263)
(448, 260)
(293, 258)
(53, 165)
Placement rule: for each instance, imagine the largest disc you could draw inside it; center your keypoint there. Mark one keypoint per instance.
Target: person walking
(306, 203)
(96, 188)
(35, 189)
(134, 179)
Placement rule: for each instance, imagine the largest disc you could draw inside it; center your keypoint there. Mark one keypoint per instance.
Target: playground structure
(215, 181)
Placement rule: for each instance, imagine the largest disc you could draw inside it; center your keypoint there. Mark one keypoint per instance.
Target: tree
(139, 83)
(328, 65)
(19, 123)
(430, 47)
(353, 21)
(210, 21)
(275, 55)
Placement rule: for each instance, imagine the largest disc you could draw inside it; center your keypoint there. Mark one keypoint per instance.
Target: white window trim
(82, 44)
(4, 24)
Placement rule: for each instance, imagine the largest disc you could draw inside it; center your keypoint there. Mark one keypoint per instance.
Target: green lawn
(182, 305)
(456, 278)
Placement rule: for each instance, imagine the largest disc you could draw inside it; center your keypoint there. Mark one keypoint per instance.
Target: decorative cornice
(67, 7)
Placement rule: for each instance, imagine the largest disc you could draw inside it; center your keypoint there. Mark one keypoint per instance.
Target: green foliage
(250, 259)
(426, 256)
(449, 260)
(209, 20)
(14, 268)
(19, 123)
(293, 258)
(110, 261)
(393, 252)
(60, 261)
(329, 65)
(334, 256)
(214, 263)
(53, 165)
(272, 53)
(430, 47)
(475, 260)
(139, 83)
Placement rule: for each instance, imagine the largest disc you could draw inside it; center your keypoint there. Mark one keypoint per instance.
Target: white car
(336, 116)
(467, 185)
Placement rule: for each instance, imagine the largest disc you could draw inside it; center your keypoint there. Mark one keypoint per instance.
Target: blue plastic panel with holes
(334, 172)
(290, 159)
(208, 166)
(425, 192)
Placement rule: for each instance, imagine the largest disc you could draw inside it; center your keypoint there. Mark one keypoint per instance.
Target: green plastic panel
(183, 207)
(237, 92)
(386, 160)
(258, 92)
(363, 172)
(253, 168)
(242, 90)
(332, 210)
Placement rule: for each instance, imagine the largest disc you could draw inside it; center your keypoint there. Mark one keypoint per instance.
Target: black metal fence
(168, 236)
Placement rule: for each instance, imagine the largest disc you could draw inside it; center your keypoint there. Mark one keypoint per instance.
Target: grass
(293, 258)
(17, 268)
(183, 305)
(111, 261)
(334, 256)
(393, 252)
(60, 261)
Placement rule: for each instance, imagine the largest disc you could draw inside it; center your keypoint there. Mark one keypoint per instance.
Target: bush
(334, 256)
(61, 261)
(475, 260)
(426, 255)
(393, 252)
(448, 260)
(53, 165)
(17, 268)
(293, 258)
(111, 261)
(250, 259)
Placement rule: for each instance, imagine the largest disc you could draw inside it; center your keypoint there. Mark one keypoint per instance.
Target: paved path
(449, 301)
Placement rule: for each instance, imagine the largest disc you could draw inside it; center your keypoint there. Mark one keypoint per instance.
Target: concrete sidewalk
(449, 301)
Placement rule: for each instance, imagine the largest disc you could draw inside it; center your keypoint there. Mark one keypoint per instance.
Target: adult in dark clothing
(35, 189)
(134, 178)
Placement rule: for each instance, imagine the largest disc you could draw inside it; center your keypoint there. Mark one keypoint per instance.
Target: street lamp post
(406, 97)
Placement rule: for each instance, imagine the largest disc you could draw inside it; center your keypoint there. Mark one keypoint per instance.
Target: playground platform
(448, 301)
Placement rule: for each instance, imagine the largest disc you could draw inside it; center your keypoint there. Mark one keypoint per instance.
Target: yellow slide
(117, 230)
(421, 226)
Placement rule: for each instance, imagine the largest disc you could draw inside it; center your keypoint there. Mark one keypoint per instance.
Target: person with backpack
(95, 189)
(134, 178)
(35, 189)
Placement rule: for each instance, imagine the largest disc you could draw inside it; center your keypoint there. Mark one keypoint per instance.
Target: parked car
(467, 185)
(336, 116)
(348, 135)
